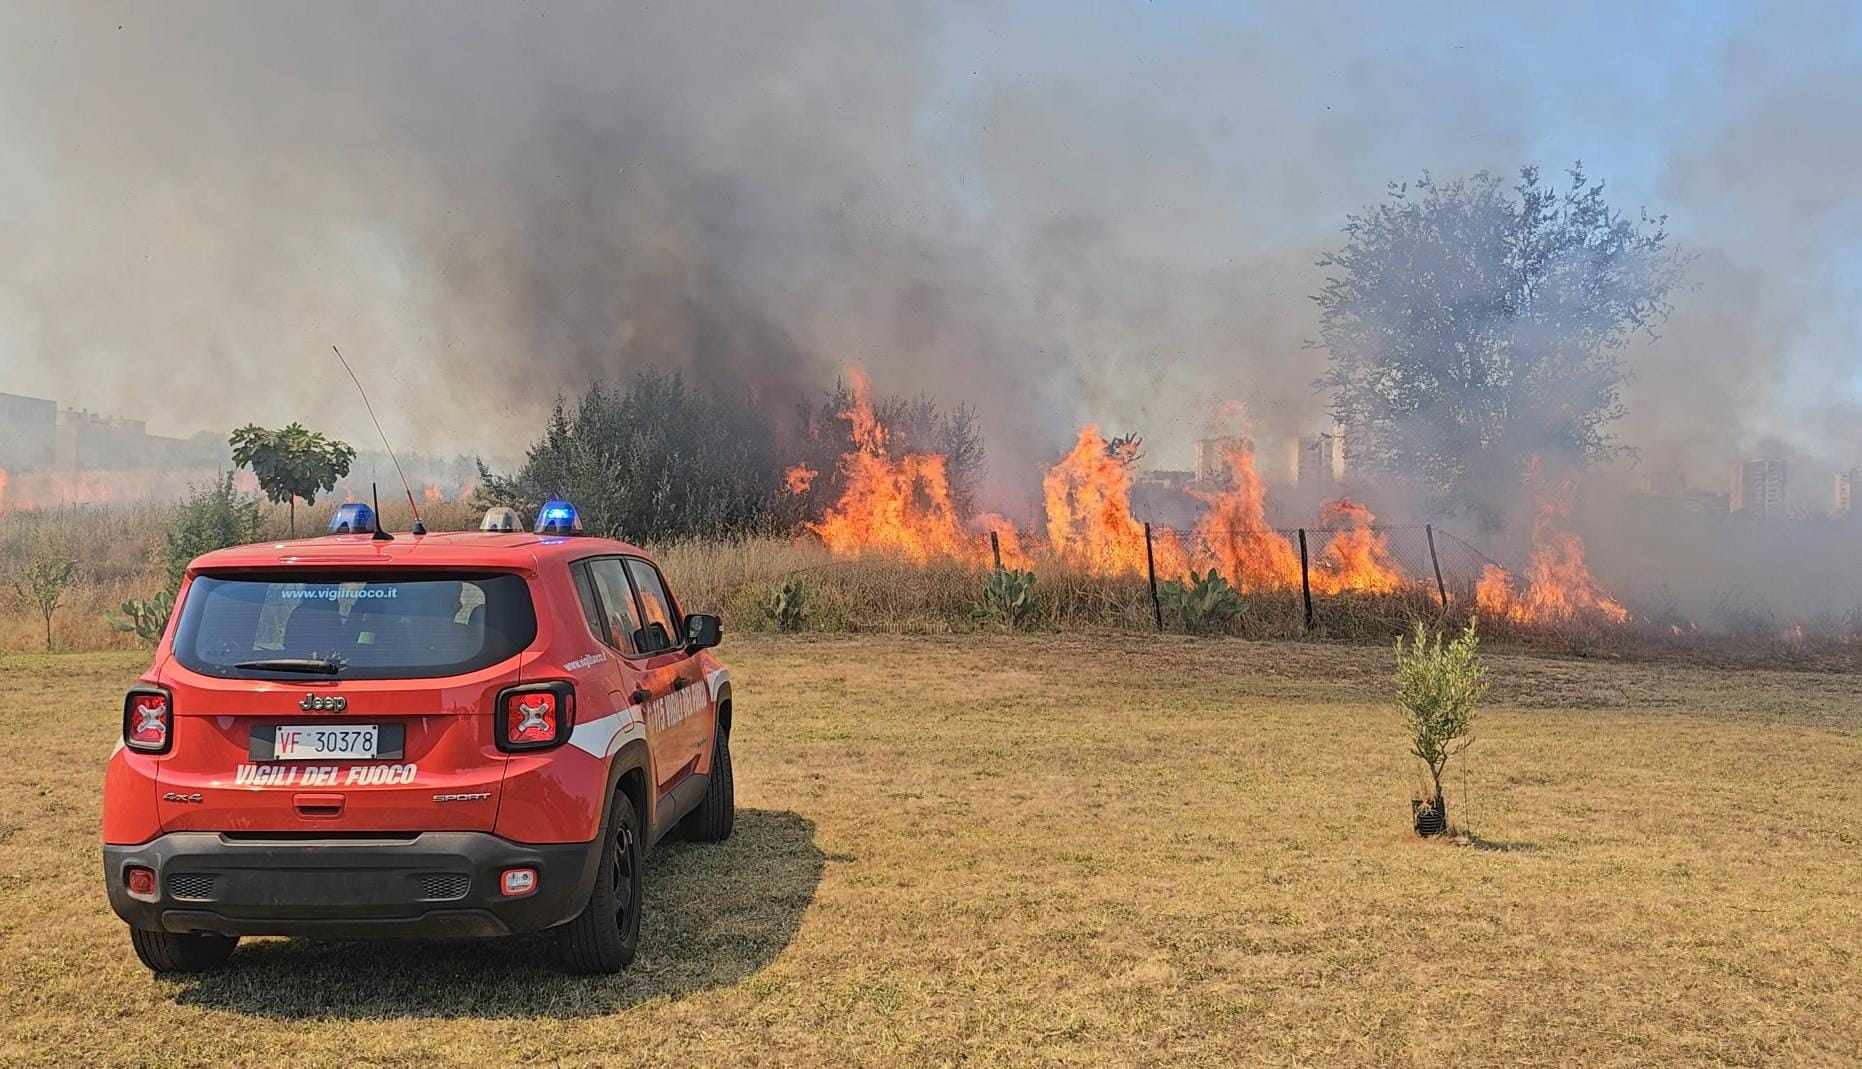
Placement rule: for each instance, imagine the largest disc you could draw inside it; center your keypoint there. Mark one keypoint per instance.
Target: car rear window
(371, 627)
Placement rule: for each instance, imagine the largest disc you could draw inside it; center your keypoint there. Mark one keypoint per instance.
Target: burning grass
(1013, 850)
(901, 506)
(880, 562)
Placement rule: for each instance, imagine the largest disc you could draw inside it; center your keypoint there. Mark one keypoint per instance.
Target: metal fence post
(1150, 565)
(995, 546)
(1435, 562)
(1305, 580)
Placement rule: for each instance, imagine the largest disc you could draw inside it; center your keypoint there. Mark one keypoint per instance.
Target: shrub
(786, 606)
(1007, 599)
(146, 618)
(653, 459)
(213, 517)
(1205, 603)
(1438, 686)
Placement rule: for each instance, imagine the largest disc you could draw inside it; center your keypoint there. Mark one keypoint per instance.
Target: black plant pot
(1431, 818)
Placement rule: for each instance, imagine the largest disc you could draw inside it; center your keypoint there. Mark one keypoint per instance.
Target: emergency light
(353, 517)
(558, 517)
(500, 518)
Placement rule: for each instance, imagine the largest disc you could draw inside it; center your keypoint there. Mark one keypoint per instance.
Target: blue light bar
(353, 517)
(558, 517)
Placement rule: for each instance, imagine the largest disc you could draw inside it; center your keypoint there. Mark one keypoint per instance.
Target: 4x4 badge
(317, 703)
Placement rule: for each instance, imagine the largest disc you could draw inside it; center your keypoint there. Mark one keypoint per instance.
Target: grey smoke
(1056, 216)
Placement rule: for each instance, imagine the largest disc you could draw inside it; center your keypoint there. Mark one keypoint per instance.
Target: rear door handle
(322, 806)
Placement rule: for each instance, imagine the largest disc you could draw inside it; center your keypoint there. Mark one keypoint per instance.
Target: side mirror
(703, 631)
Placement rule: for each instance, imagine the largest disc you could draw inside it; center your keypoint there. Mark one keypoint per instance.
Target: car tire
(166, 952)
(711, 821)
(603, 937)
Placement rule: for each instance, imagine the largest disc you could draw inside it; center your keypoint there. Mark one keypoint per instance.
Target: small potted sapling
(1439, 683)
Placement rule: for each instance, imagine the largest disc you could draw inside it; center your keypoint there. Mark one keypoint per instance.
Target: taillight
(536, 716)
(530, 718)
(148, 720)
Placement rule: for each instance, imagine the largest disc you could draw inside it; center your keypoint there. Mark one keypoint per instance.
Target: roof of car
(454, 549)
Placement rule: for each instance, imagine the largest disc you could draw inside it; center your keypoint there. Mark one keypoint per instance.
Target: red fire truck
(465, 734)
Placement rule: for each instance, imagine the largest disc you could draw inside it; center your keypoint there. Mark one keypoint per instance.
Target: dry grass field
(1093, 850)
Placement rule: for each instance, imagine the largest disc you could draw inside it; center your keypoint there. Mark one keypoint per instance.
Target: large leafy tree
(291, 462)
(651, 460)
(1472, 325)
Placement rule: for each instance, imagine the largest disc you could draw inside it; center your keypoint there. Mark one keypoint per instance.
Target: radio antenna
(419, 528)
(375, 497)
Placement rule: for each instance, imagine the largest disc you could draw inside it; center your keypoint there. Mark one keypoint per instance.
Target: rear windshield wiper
(307, 665)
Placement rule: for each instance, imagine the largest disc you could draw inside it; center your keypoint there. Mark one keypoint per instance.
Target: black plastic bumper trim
(345, 889)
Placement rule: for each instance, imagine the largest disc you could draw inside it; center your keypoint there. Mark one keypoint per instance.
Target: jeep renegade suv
(469, 734)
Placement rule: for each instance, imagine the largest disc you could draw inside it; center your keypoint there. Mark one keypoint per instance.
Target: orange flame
(432, 495)
(1089, 520)
(799, 478)
(1008, 540)
(891, 504)
(29, 490)
(902, 504)
(1358, 558)
(1558, 585)
(1235, 538)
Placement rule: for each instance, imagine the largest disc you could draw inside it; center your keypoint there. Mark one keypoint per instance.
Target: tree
(291, 462)
(43, 580)
(1471, 327)
(650, 461)
(1439, 684)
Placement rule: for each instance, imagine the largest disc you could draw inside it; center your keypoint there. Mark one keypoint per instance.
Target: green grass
(1080, 850)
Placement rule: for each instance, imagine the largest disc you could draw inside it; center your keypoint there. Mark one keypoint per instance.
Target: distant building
(1705, 502)
(1321, 460)
(86, 440)
(1758, 488)
(28, 429)
(37, 435)
(1212, 458)
(1163, 481)
(1846, 483)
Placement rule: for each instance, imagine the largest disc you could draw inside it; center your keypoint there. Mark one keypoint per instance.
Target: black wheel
(173, 952)
(711, 821)
(603, 937)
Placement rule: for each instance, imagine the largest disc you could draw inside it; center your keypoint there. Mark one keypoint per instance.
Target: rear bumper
(434, 884)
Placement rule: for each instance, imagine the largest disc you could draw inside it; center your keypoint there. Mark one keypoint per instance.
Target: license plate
(315, 742)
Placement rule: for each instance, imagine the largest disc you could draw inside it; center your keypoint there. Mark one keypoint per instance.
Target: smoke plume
(1058, 217)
